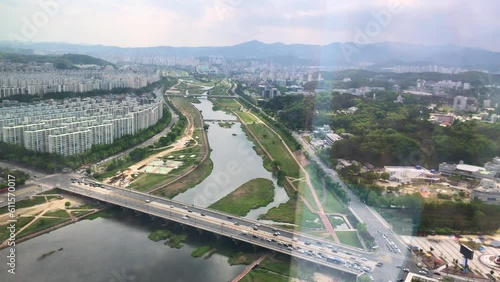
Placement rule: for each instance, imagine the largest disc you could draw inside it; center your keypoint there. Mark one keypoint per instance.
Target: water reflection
(111, 250)
(235, 163)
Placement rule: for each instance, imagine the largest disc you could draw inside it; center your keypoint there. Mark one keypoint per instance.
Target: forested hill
(66, 61)
(386, 133)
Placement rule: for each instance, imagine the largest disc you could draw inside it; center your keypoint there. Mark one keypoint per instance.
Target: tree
(385, 175)
(67, 204)
(372, 199)
(364, 278)
(361, 227)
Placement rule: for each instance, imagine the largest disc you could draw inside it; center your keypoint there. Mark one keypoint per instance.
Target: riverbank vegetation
(21, 222)
(221, 89)
(172, 239)
(253, 194)
(226, 104)
(40, 224)
(202, 250)
(57, 213)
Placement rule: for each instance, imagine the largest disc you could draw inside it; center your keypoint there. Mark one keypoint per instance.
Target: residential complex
(72, 126)
(471, 172)
(464, 104)
(52, 81)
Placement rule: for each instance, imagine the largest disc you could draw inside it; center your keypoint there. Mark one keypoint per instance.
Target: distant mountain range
(335, 54)
(65, 61)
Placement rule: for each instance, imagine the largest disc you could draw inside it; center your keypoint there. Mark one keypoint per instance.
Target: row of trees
(173, 134)
(20, 176)
(329, 183)
(284, 131)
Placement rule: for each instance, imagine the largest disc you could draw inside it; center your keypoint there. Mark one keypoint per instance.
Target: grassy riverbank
(202, 170)
(275, 147)
(226, 104)
(40, 224)
(254, 194)
(188, 181)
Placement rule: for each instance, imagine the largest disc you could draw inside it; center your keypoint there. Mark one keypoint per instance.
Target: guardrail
(247, 239)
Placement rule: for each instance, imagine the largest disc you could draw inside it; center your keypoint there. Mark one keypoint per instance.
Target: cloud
(224, 22)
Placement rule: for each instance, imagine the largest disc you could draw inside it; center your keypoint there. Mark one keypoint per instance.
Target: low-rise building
(488, 191)
(493, 166)
(410, 174)
(469, 172)
(332, 138)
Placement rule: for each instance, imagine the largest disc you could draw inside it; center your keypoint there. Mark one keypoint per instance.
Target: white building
(410, 174)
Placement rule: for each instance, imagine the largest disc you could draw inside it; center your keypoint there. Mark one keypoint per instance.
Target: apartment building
(72, 126)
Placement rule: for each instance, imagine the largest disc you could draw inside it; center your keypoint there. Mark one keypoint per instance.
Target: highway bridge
(319, 251)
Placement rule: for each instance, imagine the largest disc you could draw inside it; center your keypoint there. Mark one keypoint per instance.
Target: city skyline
(229, 22)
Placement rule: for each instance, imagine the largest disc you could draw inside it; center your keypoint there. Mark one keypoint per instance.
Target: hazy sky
(229, 22)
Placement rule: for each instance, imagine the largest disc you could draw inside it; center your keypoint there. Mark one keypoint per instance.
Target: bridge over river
(292, 243)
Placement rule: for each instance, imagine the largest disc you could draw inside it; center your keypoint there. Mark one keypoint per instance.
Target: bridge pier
(152, 217)
(200, 231)
(217, 236)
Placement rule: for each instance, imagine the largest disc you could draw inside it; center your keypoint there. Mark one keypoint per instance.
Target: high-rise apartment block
(72, 126)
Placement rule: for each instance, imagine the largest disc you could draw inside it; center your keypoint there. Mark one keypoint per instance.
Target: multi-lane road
(296, 244)
(376, 225)
(219, 221)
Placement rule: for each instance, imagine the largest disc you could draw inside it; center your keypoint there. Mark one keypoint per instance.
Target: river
(235, 163)
(112, 250)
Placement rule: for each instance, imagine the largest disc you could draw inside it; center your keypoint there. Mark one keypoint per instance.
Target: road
(292, 243)
(135, 200)
(376, 225)
(153, 139)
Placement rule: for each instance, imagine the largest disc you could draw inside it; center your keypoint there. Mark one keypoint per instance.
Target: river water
(111, 250)
(235, 163)
(118, 249)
